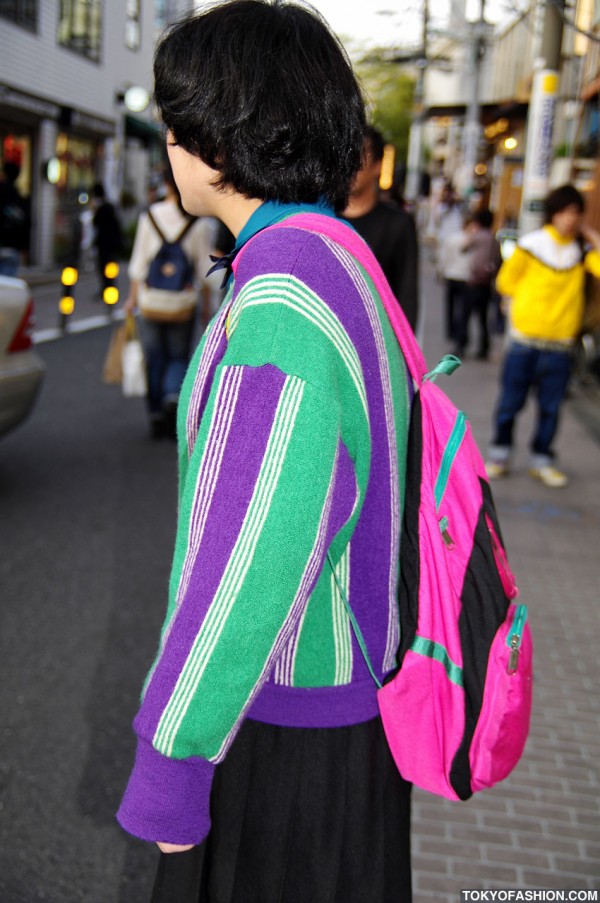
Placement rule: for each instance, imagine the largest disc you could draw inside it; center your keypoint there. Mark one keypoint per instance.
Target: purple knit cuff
(167, 799)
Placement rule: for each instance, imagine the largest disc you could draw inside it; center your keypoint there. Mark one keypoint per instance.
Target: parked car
(21, 370)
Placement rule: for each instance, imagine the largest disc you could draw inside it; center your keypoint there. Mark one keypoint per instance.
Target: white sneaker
(549, 476)
(496, 469)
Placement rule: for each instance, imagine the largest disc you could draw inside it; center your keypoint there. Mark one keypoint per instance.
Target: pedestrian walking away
(484, 260)
(262, 770)
(107, 235)
(14, 221)
(544, 279)
(170, 257)
(454, 268)
(387, 228)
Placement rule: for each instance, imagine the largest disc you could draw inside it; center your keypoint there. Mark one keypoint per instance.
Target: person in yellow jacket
(544, 279)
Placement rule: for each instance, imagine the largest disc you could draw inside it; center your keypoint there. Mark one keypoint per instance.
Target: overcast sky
(398, 22)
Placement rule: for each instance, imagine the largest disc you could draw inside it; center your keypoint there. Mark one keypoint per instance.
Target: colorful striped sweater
(293, 424)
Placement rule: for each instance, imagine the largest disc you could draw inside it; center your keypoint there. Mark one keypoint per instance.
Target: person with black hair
(14, 221)
(388, 229)
(544, 280)
(108, 239)
(262, 769)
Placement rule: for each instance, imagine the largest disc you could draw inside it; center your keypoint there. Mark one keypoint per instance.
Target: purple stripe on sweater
(393, 631)
(255, 408)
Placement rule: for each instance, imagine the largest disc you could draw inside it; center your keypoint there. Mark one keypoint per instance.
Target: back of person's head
(98, 191)
(483, 218)
(374, 143)
(561, 198)
(263, 93)
(11, 171)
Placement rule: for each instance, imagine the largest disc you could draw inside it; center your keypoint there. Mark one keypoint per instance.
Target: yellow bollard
(110, 294)
(66, 304)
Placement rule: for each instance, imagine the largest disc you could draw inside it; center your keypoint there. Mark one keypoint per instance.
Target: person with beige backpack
(167, 281)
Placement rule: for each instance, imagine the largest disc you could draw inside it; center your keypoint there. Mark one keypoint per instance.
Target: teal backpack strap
(357, 631)
(445, 367)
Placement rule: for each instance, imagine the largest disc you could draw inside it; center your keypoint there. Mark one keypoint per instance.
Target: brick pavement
(541, 827)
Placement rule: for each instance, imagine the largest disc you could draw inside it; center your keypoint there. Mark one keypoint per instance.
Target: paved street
(87, 527)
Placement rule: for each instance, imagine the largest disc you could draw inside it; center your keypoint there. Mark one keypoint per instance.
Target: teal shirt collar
(271, 212)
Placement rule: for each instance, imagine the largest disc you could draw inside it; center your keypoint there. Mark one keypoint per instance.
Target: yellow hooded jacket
(545, 280)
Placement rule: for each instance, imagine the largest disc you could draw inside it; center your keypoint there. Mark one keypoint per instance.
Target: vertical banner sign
(538, 155)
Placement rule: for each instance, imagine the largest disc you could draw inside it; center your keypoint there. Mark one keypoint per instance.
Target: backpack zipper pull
(513, 640)
(513, 660)
(448, 541)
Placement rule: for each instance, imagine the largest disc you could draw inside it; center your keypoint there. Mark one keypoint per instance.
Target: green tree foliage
(389, 92)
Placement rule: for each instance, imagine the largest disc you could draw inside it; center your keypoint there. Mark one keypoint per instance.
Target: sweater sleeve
(511, 272)
(254, 525)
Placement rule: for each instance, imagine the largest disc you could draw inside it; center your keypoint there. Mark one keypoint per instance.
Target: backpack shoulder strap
(186, 229)
(155, 224)
(345, 235)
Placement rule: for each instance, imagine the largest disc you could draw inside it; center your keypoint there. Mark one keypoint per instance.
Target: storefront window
(80, 27)
(21, 12)
(16, 147)
(78, 159)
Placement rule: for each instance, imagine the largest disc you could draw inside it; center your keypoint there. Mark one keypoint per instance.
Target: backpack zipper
(514, 638)
(454, 442)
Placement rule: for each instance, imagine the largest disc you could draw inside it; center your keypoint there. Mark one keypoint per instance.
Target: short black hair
(374, 140)
(560, 199)
(98, 190)
(264, 93)
(484, 218)
(11, 171)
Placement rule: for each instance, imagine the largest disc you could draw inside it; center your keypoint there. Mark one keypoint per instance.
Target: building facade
(65, 67)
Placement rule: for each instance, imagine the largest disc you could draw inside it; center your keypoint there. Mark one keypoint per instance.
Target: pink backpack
(456, 713)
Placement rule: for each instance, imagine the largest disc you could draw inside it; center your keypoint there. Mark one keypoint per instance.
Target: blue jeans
(167, 350)
(526, 368)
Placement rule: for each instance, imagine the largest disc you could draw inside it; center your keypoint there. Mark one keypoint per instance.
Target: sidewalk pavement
(541, 827)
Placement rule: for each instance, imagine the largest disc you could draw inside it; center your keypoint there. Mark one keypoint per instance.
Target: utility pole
(415, 142)
(547, 42)
(472, 133)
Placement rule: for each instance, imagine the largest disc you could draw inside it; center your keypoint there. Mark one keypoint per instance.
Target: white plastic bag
(134, 368)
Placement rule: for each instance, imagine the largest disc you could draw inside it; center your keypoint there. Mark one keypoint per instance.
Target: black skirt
(300, 815)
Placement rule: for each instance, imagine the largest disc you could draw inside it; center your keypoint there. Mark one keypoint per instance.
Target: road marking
(49, 335)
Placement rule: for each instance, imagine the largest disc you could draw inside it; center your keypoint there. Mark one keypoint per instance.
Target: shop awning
(146, 131)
